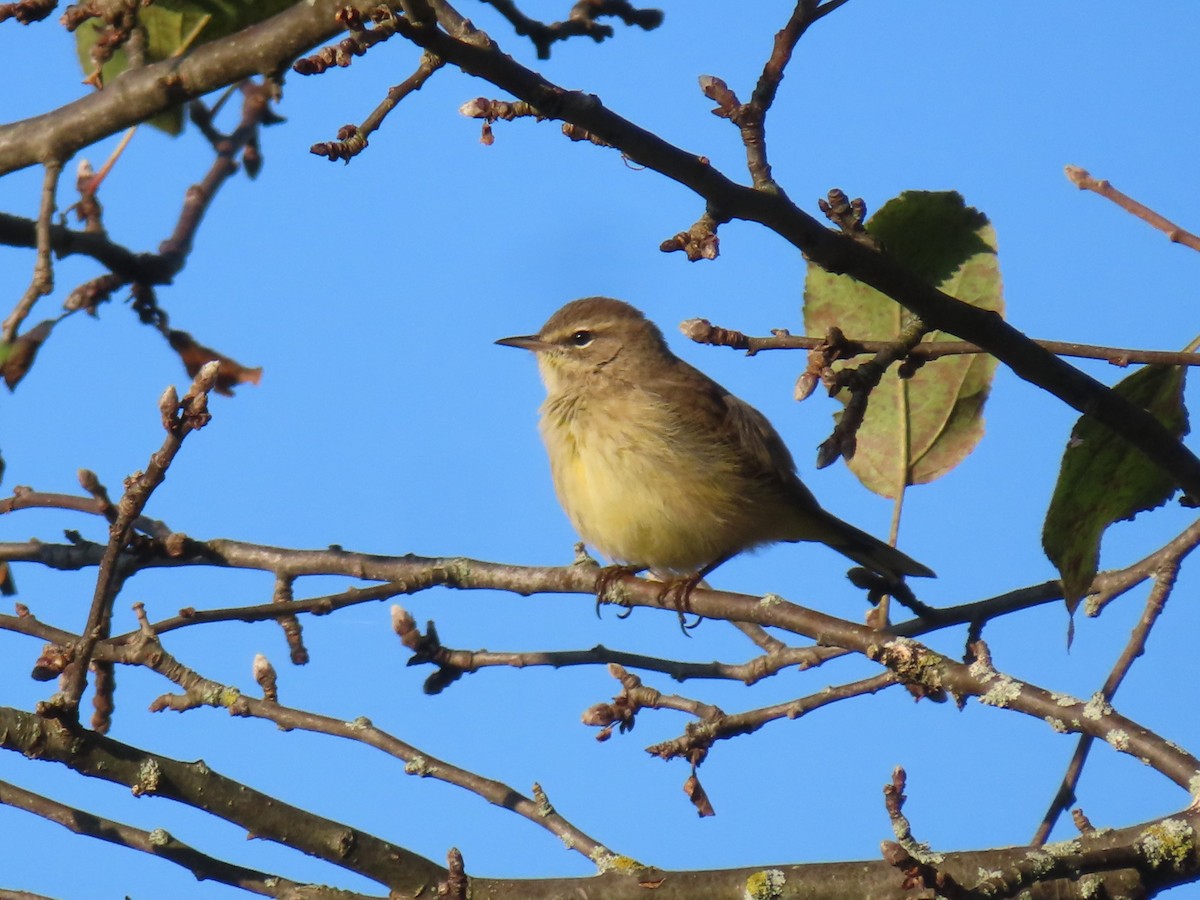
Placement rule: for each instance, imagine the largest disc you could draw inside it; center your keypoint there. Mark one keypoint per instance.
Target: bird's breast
(642, 486)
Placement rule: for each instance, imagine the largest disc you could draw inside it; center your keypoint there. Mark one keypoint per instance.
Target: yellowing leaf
(16, 359)
(917, 429)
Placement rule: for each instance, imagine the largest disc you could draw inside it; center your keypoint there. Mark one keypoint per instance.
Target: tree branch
(180, 418)
(1083, 180)
(478, 55)
(42, 282)
(140, 94)
(196, 785)
(704, 332)
(156, 843)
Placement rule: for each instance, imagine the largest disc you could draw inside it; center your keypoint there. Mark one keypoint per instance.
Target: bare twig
(43, 271)
(698, 242)
(180, 418)
(1083, 180)
(200, 691)
(582, 21)
(636, 696)
(861, 381)
(702, 735)
(751, 117)
(148, 268)
(25, 498)
(1111, 585)
(704, 332)
(921, 865)
(256, 111)
(27, 11)
(361, 39)
(355, 139)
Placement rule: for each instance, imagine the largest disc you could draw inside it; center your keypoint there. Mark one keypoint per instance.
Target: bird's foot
(679, 591)
(605, 581)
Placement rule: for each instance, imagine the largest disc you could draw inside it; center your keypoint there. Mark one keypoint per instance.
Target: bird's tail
(869, 551)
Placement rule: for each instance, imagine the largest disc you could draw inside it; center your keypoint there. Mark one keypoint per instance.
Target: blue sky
(388, 422)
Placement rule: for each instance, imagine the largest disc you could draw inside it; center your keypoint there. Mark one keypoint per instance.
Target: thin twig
(751, 117)
(352, 140)
(25, 498)
(861, 380)
(1083, 180)
(201, 691)
(725, 726)
(1135, 647)
(921, 866)
(582, 21)
(704, 332)
(180, 418)
(42, 282)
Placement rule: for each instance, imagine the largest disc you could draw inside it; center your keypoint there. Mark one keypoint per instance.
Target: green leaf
(1104, 479)
(917, 429)
(171, 26)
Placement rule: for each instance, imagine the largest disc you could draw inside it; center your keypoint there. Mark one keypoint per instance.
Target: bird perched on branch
(659, 467)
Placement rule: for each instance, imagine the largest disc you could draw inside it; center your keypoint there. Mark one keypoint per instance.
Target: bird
(659, 467)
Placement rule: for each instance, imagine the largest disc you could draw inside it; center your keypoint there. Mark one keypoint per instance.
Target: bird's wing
(766, 458)
(765, 450)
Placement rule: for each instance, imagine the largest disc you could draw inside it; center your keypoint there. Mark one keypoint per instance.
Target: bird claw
(679, 592)
(676, 590)
(606, 578)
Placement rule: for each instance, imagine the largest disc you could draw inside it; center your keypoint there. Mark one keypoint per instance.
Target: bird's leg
(679, 590)
(605, 580)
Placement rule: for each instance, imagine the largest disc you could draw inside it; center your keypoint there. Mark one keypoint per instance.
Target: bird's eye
(581, 338)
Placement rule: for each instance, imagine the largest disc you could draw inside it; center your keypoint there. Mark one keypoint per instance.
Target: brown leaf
(230, 373)
(699, 798)
(8, 585)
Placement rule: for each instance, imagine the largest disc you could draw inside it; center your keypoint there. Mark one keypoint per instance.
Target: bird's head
(593, 336)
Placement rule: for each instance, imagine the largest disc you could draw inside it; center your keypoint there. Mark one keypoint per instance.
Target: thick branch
(195, 784)
(1111, 853)
(157, 843)
(147, 268)
(910, 660)
(479, 56)
(139, 94)
(265, 48)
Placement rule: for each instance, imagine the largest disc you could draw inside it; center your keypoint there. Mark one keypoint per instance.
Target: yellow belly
(641, 493)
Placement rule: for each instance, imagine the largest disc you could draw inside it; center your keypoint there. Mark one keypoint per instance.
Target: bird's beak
(525, 342)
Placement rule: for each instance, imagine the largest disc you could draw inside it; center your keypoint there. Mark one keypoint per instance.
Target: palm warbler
(658, 466)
